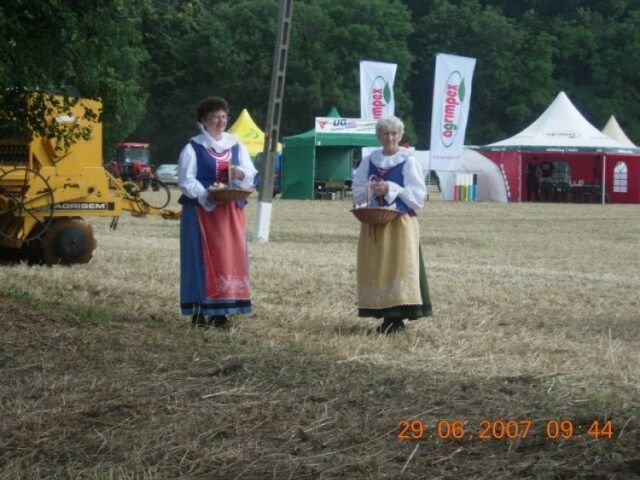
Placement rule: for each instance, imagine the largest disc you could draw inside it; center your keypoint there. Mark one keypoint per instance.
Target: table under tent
(317, 164)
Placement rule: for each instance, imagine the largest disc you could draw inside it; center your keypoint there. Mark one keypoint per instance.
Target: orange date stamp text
(501, 429)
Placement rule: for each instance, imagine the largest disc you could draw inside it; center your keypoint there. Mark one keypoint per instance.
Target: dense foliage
(48, 46)
(150, 62)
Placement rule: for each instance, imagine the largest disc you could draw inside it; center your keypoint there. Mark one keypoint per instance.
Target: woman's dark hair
(211, 104)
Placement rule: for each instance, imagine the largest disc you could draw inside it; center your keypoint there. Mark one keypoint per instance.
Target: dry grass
(536, 317)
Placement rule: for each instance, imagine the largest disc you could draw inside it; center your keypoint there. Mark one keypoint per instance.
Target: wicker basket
(224, 194)
(375, 215)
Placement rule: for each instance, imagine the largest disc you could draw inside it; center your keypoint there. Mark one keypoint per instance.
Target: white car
(168, 173)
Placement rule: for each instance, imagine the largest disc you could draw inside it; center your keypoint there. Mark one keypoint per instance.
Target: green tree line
(151, 61)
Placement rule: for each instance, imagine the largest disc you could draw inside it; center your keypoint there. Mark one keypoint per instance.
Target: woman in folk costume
(392, 281)
(214, 264)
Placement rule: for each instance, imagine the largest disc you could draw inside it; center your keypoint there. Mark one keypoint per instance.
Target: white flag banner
(376, 89)
(451, 99)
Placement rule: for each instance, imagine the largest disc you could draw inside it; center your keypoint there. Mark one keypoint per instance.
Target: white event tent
(613, 130)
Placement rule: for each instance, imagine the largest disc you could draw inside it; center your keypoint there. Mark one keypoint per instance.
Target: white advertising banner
(376, 89)
(345, 125)
(451, 99)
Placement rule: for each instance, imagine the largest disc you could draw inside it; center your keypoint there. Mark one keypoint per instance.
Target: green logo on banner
(379, 97)
(453, 97)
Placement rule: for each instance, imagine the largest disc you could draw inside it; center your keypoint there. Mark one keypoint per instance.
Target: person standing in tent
(392, 281)
(533, 186)
(214, 264)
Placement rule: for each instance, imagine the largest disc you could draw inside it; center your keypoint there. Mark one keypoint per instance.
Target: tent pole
(604, 176)
(428, 179)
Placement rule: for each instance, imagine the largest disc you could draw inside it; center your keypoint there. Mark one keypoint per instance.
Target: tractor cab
(132, 162)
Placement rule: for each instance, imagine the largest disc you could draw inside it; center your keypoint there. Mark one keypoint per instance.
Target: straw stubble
(536, 317)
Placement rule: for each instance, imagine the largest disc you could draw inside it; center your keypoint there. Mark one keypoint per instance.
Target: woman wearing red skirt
(214, 263)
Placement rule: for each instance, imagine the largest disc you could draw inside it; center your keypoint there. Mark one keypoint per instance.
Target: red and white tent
(587, 160)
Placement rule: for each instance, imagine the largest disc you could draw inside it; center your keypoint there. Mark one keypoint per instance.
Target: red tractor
(132, 163)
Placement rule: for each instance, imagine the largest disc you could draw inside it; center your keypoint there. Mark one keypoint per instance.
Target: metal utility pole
(272, 128)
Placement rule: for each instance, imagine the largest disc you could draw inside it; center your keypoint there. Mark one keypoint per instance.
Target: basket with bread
(226, 192)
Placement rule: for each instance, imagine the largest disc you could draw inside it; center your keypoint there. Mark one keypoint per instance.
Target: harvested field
(537, 319)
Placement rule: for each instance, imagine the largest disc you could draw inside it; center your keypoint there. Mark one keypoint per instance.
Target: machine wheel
(21, 207)
(68, 241)
(158, 196)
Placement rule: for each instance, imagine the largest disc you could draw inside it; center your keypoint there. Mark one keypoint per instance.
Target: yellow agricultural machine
(47, 190)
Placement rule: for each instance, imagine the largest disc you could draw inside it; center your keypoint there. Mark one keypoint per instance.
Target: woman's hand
(380, 189)
(236, 173)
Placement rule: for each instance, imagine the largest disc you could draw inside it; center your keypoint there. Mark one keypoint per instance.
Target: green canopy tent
(314, 156)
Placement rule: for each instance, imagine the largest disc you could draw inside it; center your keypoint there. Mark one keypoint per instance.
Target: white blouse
(414, 190)
(187, 166)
